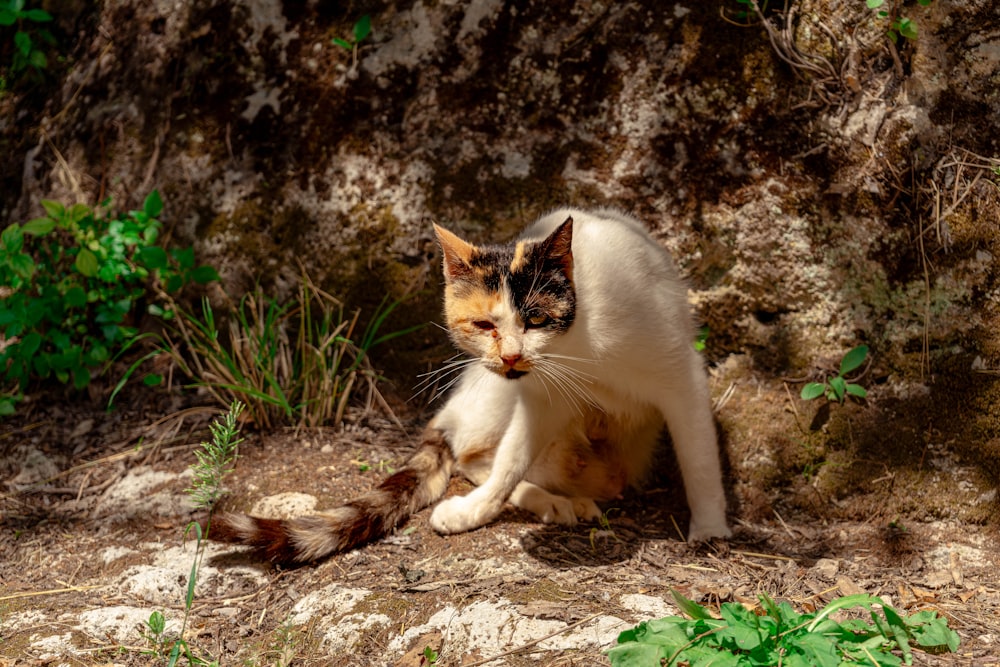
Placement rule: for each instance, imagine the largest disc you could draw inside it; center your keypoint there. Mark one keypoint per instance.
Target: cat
(580, 349)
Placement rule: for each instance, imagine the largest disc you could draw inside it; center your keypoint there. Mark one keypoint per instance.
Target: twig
(53, 591)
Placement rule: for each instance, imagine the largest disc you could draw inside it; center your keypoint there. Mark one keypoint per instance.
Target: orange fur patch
(465, 305)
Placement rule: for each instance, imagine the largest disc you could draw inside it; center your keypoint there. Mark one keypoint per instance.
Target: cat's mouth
(513, 373)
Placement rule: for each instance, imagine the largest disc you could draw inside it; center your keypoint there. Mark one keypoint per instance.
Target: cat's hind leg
(553, 508)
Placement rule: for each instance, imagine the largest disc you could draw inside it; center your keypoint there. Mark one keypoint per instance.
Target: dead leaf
(848, 587)
(967, 595)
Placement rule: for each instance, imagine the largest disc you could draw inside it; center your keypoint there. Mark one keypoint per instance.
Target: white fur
(627, 361)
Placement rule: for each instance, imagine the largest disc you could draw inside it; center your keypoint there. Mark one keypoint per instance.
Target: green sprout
(837, 388)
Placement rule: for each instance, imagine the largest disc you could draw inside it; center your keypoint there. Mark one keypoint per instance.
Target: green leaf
(23, 265)
(153, 205)
(7, 17)
(86, 262)
(30, 344)
(853, 359)
(362, 28)
(38, 15)
(81, 377)
(6, 404)
(812, 390)
(857, 390)
(874, 4)
(931, 631)
(899, 632)
(12, 238)
(184, 257)
(205, 274)
(342, 43)
(153, 257)
(690, 607)
(38, 59)
(839, 387)
(152, 379)
(53, 208)
(22, 41)
(38, 226)
(75, 297)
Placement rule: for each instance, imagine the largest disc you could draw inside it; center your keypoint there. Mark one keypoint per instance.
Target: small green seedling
(899, 26)
(360, 31)
(837, 388)
(430, 656)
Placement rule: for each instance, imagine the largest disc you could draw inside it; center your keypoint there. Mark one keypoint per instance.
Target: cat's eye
(536, 320)
(484, 325)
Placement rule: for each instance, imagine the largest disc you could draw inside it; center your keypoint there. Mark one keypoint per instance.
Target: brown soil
(810, 526)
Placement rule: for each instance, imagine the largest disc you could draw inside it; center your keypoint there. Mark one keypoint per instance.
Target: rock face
(820, 188)
(820, 185)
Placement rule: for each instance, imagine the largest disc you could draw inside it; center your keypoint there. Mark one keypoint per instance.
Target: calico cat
(580, 345)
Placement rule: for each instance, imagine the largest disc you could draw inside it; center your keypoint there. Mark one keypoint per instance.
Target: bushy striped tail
(421, 481)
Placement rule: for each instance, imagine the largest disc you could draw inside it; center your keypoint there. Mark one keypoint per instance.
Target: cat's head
(505, 304)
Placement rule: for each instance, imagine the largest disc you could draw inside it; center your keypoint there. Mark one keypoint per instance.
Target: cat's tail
(421, 481)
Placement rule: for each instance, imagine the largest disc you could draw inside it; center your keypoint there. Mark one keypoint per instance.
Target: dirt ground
(93, 540)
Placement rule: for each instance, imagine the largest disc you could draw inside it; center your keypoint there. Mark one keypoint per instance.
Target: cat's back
(609, 247)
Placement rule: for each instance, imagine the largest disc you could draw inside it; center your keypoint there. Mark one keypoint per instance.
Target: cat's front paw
(703, 531)
(458, 514)
(586, 509)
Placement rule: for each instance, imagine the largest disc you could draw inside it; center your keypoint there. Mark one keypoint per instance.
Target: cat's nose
(510, 359)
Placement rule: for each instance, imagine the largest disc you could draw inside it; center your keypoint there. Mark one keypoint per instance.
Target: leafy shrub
(69, 286)
(27, 36)
(782, 636)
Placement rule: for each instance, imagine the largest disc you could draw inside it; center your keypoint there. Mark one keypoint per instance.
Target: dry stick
(53, 591)
(533, 642)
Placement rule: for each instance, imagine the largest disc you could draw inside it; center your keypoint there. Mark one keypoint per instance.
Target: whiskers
(568, 381)
(449, 373)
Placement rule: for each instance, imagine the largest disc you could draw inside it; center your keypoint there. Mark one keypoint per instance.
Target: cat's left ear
(457, 254)
(558, 247)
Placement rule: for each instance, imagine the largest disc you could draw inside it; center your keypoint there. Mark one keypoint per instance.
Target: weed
(289, 363)
(430, 656)
(701, 339)
(215, 460)
(28, 36)
(899, 25)
(837, 388)
(602, 529)
(782, 636)
(72, 281)
(360, 31)
(283, 647)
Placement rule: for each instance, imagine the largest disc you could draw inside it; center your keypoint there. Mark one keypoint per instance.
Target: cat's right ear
(457, 254)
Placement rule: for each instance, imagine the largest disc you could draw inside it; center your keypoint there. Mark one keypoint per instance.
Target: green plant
(430, 656)
(215, 459)
(27, 35)
(702, 338)
(837, 388)
(71, 283)
(360, 31)
(295, 363)
(899, 25)
(782, 636)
